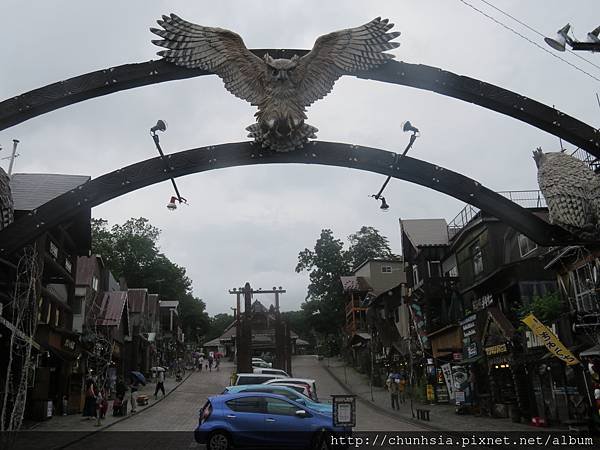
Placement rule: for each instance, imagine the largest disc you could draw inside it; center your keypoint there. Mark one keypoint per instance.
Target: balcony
(526, 199)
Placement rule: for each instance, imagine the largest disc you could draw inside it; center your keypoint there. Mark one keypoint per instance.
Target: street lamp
(161, 125)
(406, 127)
(562, 38)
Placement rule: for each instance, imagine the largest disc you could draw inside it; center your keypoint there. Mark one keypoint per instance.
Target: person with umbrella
(160, 381)
(136, 379)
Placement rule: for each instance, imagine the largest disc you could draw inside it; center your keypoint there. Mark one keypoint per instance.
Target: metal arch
(151, 171)
(94, 84)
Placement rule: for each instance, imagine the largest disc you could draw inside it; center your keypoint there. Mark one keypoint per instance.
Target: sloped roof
(85, 269)
(355, 284)
(31, 190)
(111, 309)
(137, 298)
(423, 232)
(258, 307)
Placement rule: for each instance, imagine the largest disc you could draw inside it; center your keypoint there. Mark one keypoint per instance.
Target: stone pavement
(75, 422)
(443, 416)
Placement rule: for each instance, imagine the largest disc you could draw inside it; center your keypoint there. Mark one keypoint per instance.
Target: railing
(526, 199)
(590, 160)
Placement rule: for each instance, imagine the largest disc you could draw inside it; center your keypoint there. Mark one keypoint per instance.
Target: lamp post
(406, 127)
(161, 125)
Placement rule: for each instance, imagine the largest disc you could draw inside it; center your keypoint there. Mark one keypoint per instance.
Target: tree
(131, 251)
(326, 263)
(217, 326)
(324, 307)
(366, 244)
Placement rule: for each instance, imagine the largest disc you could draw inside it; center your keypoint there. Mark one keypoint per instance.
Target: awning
(593, 351)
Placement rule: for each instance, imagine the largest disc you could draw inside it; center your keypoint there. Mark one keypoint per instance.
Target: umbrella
(139, 376)
(158, 369)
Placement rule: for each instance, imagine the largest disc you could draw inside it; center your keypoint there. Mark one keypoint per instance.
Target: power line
(529, 40)
(537, 32)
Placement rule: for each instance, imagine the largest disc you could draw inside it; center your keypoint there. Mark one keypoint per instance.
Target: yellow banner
(550, 340)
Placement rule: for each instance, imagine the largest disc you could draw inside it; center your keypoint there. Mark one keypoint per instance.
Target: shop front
(57, 381)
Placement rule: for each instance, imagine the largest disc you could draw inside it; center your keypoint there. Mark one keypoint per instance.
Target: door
(284, 426)
(246, 419)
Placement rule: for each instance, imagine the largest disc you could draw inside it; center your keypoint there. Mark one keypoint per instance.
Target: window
(40, 308)
(415, 271)
(68, 264)
(95, 283)
(246, 404)
(386, 269)
(526, 245)
(77, 305)
(435, 269)
(53, 250)
(477, 259)
(56, 317)
(280, 407)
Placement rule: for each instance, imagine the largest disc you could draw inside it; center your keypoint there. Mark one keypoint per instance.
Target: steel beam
(151, 171)
(102, 82)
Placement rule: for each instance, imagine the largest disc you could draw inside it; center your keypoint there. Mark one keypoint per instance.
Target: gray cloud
(248, 224)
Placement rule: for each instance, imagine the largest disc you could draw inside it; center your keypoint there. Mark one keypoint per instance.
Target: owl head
(538, 156)
(279, 68)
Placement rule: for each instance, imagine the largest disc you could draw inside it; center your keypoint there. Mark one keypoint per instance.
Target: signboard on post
(344, 410)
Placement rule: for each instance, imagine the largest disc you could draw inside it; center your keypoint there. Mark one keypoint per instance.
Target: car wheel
(218, 440)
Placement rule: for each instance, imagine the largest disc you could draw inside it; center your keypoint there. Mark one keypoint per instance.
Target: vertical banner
(550, 340)
(447, 370)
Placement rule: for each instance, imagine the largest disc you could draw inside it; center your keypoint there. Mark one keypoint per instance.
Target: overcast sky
(249, 223)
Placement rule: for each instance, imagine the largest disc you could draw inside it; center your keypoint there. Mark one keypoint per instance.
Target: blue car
(288, 392)
(256, 419)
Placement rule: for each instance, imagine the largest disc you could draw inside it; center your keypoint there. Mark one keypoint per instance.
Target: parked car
(300, 388)
(257, 419)
(254, 378)
(261, 361)
(261, 365)
(271, 371)
(312, 385)
(290, 392)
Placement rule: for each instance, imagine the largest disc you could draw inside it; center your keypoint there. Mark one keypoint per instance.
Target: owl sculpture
(280, 88)
(572, 192)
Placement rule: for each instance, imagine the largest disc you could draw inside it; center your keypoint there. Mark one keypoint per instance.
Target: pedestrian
(160, 384)
(402, 388)
(201, 362)
(210, 362)
(101, 406)
(135, 384)
(89, 407)
(393, 390)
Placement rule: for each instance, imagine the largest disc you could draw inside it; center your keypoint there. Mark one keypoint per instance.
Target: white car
(271, 371)
(259, 362)
(254, 378)
(309, 383)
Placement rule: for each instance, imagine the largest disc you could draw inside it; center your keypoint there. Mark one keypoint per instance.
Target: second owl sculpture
(280, 88)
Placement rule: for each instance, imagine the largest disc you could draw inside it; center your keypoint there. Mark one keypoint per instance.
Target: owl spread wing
(216, 50)
(343, 52)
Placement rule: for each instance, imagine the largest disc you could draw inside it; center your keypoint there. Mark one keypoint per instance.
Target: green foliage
(217, 326)
(326, 263)
(131, 251)
(367, 243)
(547, 308)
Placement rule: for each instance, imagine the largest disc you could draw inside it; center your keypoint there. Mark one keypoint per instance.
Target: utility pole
(12, 157)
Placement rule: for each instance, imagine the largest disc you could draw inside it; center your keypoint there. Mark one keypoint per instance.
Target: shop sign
(470, 332)
(550, 340)
(472, 350)
(430, 394)
(496, 350)
(483, 302)
(468, 320)
(69, 344)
